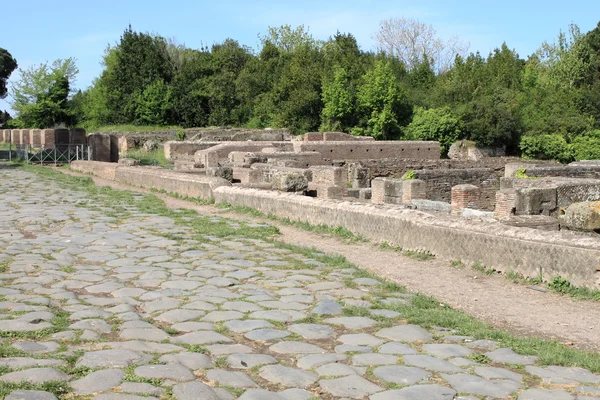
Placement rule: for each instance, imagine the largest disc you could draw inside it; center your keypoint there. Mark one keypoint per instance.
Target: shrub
(180, 135)
(546, 147)
(587, 146)
(438, 124)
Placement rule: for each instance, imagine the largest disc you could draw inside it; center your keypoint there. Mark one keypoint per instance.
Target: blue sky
(35, 31)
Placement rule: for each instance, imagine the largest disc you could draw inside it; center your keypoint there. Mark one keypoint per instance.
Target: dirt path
(490, 298)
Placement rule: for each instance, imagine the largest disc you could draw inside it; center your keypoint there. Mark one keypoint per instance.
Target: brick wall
(363, 150)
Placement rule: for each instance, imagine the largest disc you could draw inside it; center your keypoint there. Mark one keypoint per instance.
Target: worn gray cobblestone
(114, 300)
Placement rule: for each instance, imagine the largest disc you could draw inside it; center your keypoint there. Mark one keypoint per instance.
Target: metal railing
(58, 154)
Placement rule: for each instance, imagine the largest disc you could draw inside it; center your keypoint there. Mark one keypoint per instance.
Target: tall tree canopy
(7, 65)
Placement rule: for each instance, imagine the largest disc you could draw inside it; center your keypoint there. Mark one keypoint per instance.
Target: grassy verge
(132, 128)
(421, 310)
(154, 157)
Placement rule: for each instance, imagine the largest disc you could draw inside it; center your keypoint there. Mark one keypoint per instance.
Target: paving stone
(286, 376)
(588, 390)
(293, 347)
(483, 344)
(30, 395)
(98, 381)
(112, 359)
(473, 384)
(498, 373)
(278, 315)
(405, 333)
(194, 391)
(175, 372)
(24, 362)
(232, 379)
(315, 360)
(346, 348)
(245, 361)
(96, 325)
(192, 326)
(37, 347)
(431, 363)
(35, 376)
(220, 349)
(190, 360)
(385, 313)
(141, 388)
(338, 369)
(446, 350)
(266, 334)
(401, 375)
(218, 316)
(200, 305)
(312, 331)
(147, 347)
(353, 387)
(119, 396)
(240, 326)
(153, 335)
(260, 394)
(201, 337)
(540, 394)
(374, 359)
(418, 392)
(241, 306)
(396, 348)
(360, 339)
(508, 356)
(175, 316)
(563, 375)
(327, 307)
(352, 322)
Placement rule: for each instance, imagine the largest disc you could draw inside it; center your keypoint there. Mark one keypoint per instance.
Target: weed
(562, 285)
(410, 174)
(418, 255)
(387, 246)
(457, 264)
(479, 358)
(483, 269)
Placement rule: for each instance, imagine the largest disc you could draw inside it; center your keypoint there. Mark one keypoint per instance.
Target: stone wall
(371, 150)
(46, 138)
(440, 183)
(575, 170)
(175, 150)
(138, 138)
(217, 154)
(106, 170)
(505, 248)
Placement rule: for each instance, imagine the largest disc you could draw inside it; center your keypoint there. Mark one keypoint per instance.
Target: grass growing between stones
(338, 231)
(59, 389)
(422, 310)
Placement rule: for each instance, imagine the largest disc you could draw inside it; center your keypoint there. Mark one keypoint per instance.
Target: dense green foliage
(544, 106)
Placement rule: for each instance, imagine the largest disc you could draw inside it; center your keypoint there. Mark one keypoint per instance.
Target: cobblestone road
(100, 298)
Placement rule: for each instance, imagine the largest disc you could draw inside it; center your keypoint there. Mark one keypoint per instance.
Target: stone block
(505, 203)
(47, 138)
(329, 176)
(413, 189)
(536, 201)
(4, 135)
(325, 191)
(77, 136)
(114, 148)
(313, 136)
(583, 216)
(220, 172)
(35, 137)
(359, 176)
(247, 176)
(289, 182)
(465, 196)
(129, 162)
(99, 147)
(62, 137)
(181, 165)
(364, 194)
(15, 135)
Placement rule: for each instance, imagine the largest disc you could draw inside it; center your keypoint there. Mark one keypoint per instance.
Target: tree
(413, 41)
(7, 65)
(4, 118)
(339, 100)
(41, 95)
(288, 40)
(383, 102)
(439, 124)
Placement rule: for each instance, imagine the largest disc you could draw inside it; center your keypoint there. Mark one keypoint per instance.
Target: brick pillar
(413, 189)
(100, 147)
(505, 202)
(359, 176)
(464, 196)
(47, 138)
(35, 137)
(77, 136)
(378, 190)
(3, 136)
